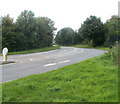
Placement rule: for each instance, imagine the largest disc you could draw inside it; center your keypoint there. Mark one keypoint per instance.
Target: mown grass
(35, 50)
(93, 80)
(87, 46)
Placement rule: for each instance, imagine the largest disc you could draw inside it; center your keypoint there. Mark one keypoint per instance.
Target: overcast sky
(65, 13)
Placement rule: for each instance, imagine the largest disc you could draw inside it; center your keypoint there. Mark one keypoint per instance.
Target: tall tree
(112, 32)
(26, 24)
(92, 31)
(8, 33)
(45, 31)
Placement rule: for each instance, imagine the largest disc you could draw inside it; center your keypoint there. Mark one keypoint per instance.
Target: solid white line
(63, 61)
(50, 64)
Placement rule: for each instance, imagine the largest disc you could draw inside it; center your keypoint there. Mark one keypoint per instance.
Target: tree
(77, 38)
(65, 36)
(45, 31)
(8, 33)
(27, 32)
(92, 31)
(26, 28)
(112, 32)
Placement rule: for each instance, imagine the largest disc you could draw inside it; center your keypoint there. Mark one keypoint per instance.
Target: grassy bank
(35, 50)
(93, 80)
(86, 46)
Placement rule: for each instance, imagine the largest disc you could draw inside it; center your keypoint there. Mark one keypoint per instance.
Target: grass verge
(93, 80)
(86, 46)
(35, 50)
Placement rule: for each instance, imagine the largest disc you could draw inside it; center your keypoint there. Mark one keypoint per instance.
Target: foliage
(26, 25)
(8, 33)
(112, 32)
(92, 31)
(93, 80)
(28, 32)
(67, 36)
(115, 53)
(45, 31)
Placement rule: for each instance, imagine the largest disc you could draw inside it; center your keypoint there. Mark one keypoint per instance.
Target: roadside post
(5, 52)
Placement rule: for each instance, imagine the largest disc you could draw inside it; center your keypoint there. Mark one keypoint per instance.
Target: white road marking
(63, 61)
(31, 59)
(75, 49)
(50, 64)
(57, 63)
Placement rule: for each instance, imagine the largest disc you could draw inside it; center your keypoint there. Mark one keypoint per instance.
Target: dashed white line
(31, 59)
(57, 63)
(50, 64)
(63, 61)
(75, 49)
(82, 50)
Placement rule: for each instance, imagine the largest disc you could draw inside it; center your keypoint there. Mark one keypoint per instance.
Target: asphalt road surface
(34, 63)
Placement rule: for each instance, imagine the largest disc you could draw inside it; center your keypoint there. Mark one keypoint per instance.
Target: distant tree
(92, 31)
(112, 32)
(45, 31)
(77, 38)
(65, 36)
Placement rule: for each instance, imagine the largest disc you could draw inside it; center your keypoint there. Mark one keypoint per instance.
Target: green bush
(115, 53)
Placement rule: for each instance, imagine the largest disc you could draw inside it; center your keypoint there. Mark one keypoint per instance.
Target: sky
(65, 13)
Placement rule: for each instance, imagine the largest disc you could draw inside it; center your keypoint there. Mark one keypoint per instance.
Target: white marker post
(5, 52)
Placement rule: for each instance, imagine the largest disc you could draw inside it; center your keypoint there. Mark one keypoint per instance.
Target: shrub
(115, 53)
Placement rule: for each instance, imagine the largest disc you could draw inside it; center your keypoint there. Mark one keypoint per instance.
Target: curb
(6, 62)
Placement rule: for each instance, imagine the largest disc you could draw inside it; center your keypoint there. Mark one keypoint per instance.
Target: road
(34, 63)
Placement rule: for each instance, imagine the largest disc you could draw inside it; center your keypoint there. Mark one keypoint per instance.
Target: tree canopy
(28, 32)
(65, 36)
(92, 31)
(112, 32)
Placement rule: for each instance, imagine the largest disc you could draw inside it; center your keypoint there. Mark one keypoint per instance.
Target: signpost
(5, 52)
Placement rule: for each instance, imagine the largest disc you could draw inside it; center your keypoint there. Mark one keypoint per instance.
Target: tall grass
(115, 53)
